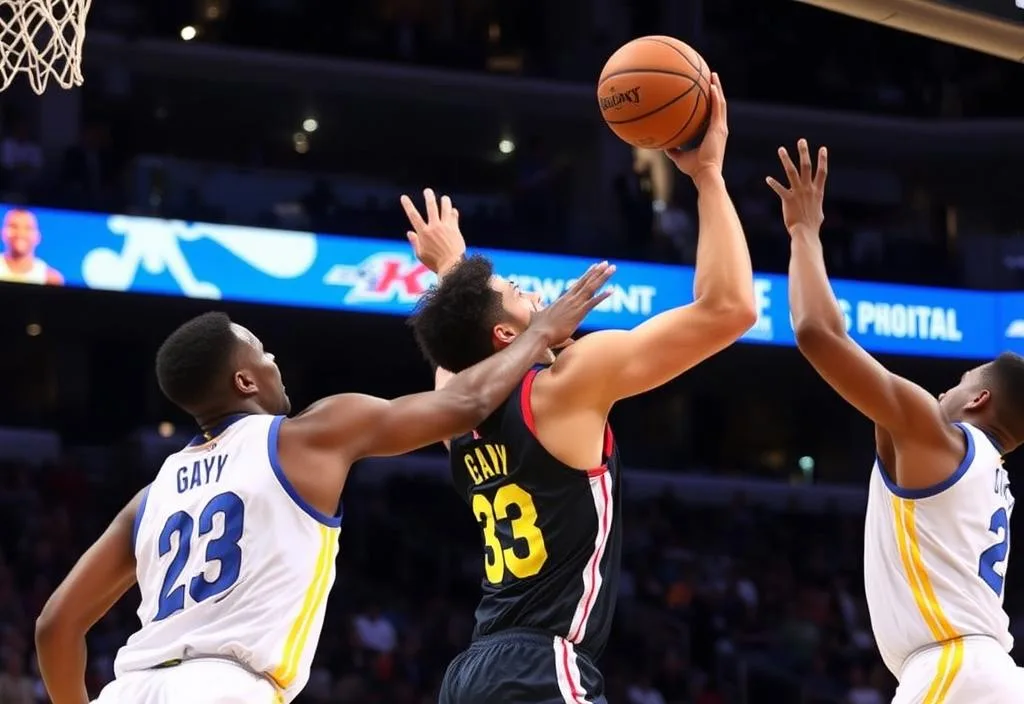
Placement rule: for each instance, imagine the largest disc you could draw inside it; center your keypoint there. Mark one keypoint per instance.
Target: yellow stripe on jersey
(949, 666)
(927, 602)
(285, 673)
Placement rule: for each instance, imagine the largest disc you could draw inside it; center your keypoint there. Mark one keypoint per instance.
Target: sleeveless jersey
(935, 559)
(231, 562)
(35, 275)
(552, 535)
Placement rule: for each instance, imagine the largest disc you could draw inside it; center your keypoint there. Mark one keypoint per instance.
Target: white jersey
(231, 562)
(35, 275)
(935, 559)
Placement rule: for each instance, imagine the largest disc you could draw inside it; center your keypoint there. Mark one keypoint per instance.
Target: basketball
(655, 93)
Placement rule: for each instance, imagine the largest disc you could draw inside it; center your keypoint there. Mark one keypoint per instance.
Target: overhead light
(188, 33)
(506, 146)
(310, 124)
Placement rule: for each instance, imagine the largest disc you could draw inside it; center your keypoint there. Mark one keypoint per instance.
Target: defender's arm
(101, 577)
(904, 409)
(614, 364)
(901, 408)
(356, 426)
(359, 426)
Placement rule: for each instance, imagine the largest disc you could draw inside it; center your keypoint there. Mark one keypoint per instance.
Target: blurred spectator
(21, 160)
(861, 692)
(16, 687)
(643, 692)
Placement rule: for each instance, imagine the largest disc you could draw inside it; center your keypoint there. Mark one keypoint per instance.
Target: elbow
(56, 621)
(47, 625)
(813, 336)
(735, 315)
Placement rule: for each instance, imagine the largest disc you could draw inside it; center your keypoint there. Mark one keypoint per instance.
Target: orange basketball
(655, 93)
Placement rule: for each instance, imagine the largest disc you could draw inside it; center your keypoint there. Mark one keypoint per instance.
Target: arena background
(300, 122)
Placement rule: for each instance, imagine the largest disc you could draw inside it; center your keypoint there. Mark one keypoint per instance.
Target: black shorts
(522, 667)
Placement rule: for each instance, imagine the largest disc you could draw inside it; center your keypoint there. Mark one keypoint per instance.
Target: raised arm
(604, 367)
(904, 410)
(101, 577)
(356, 426)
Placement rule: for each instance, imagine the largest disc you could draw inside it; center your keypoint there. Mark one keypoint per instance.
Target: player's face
(20, 233)
(968, 394)
(519, 306)
(266, 376)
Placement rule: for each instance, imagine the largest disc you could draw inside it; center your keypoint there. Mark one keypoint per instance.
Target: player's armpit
(610, 365)
(101, 577)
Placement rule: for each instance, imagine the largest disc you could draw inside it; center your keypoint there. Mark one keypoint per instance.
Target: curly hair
(453, 320)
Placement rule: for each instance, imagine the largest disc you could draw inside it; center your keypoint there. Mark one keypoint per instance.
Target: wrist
(708, 176)
(449, 264)
(804, 233)
(540, 337)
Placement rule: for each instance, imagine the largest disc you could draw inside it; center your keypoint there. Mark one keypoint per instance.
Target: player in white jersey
(233, 543)
(936, 537)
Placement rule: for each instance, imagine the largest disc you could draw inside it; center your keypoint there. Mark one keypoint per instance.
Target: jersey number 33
(526, 553)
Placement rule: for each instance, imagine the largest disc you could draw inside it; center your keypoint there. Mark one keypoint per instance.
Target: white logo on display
(635, 299)
(154, 246)
(1015, 330)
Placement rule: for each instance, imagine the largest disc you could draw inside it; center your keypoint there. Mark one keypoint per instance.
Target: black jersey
(552, 534)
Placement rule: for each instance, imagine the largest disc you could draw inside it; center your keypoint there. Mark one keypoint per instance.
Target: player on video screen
(19, 262)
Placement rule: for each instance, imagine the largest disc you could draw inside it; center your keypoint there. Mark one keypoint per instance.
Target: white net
(43, 39)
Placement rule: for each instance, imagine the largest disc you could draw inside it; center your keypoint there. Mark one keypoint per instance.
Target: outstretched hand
(437, 242)
(802, 200)
(708, 157)
(559, 320)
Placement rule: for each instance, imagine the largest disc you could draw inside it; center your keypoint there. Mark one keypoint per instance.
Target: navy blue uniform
(552, 548)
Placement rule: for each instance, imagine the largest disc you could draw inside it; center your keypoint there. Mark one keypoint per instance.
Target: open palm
(802, 200)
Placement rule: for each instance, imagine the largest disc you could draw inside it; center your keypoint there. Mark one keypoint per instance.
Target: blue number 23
(223, 550)
(997, 553)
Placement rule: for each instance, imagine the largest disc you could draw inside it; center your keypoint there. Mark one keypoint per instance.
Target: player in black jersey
(542, 474)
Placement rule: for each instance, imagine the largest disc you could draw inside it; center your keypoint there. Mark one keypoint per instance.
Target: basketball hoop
(42, 38)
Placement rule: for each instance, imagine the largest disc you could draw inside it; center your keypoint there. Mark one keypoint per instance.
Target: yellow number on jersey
(498, 559)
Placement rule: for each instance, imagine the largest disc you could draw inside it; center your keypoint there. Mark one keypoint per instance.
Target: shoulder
(582, 364)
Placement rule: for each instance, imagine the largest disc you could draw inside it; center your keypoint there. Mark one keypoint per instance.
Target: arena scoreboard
(991, 26)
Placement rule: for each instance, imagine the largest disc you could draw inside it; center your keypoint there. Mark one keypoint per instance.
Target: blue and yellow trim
(275, 464)
(298, 635)
(938, 488)
(951, 658)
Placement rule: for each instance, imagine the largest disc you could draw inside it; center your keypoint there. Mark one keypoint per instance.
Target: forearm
(811, 300)
(491, 381)
(62, 663)
(723, 272)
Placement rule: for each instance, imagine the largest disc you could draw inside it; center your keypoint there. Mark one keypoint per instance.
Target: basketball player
(233, 544)
(936, 539)
(19, 262)
(542, 475)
